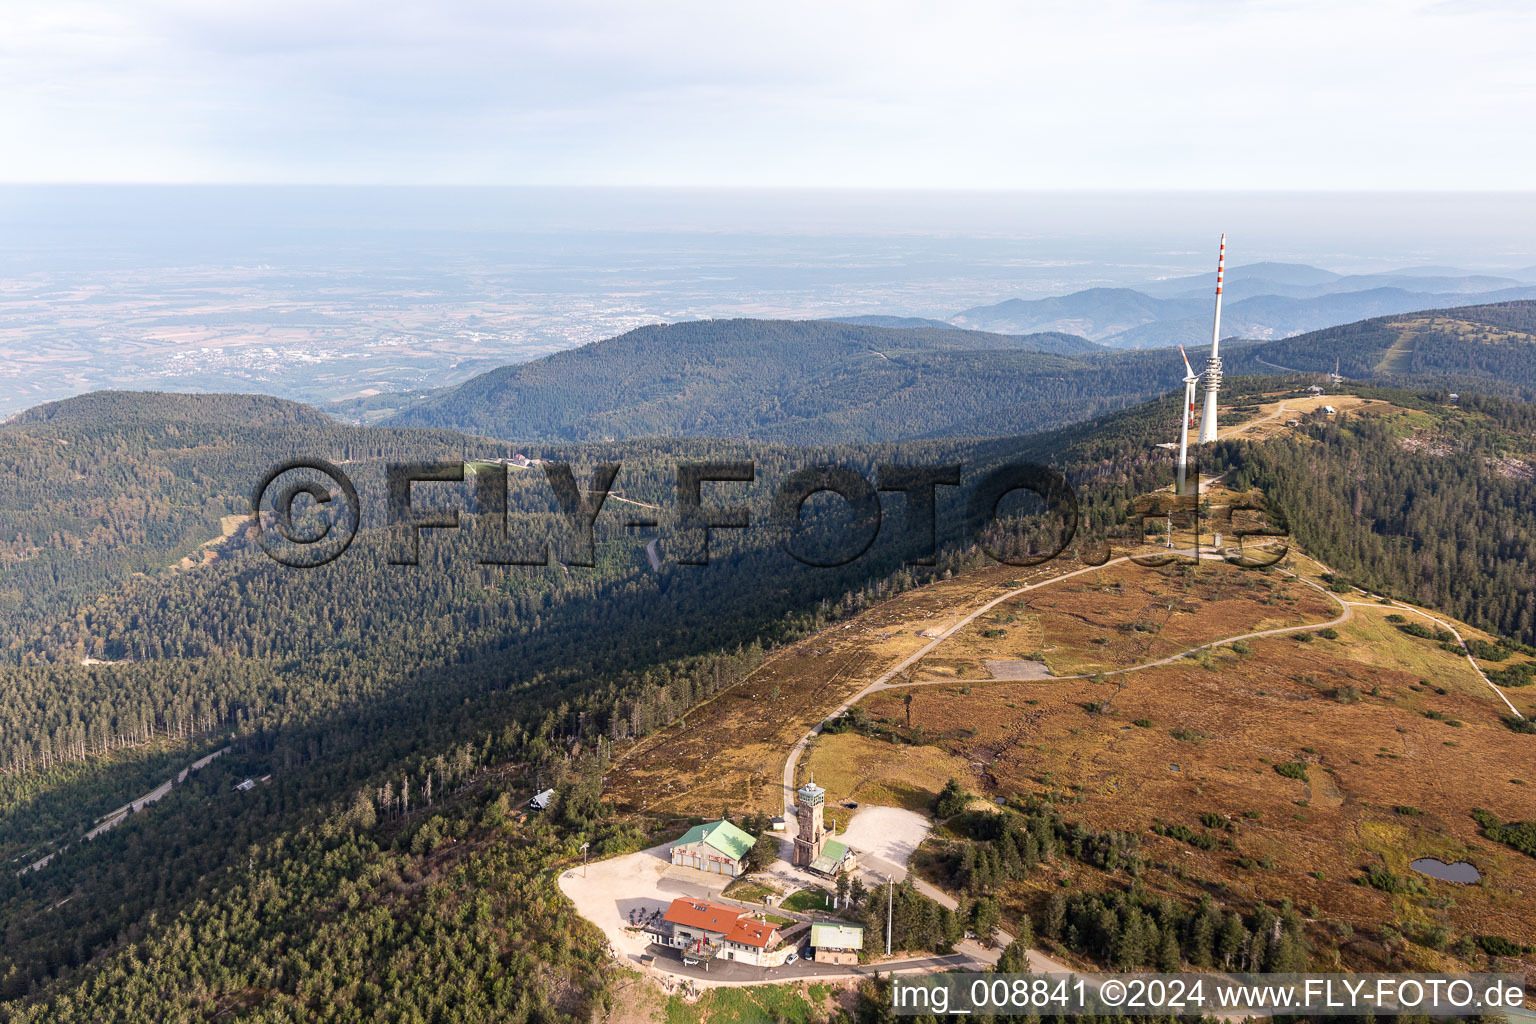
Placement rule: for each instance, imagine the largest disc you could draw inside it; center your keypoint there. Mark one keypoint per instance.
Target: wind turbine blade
(1187, 371)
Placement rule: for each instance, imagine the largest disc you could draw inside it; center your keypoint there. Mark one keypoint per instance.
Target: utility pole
(890, 909)
(584, 847)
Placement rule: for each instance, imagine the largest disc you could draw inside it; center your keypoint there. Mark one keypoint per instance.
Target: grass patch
(804, 900)
(748, 891)
(855, 767)
(757, 1004)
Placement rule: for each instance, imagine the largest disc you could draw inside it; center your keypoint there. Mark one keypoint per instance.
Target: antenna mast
(1213, 363)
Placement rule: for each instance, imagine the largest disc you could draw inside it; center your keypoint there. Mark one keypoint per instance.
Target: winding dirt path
(798, 750)
(1038, 961)
(1459, 639)
(884, 681)
(1344, 616)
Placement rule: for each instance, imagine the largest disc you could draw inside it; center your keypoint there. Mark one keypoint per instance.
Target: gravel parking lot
(886, 837)
(641, 882)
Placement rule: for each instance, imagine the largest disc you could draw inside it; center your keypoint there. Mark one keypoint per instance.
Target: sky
(1118, 94)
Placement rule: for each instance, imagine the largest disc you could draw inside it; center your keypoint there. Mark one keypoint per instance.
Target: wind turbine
(1213, 363)
(1185, 420)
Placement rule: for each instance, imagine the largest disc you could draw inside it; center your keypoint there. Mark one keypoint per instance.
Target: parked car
(791, 959)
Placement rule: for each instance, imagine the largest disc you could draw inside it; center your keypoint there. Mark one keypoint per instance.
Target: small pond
(1460, 871)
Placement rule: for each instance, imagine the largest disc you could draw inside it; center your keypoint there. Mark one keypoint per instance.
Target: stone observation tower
(812, 837)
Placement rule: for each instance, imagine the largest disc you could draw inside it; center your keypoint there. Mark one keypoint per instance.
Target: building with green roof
(834, 942)
(716, 846)
(835, 856)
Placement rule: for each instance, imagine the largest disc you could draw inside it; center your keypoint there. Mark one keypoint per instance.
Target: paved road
(1287, 369)
(731, 972)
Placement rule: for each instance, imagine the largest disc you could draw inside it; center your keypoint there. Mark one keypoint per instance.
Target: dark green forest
(1487, 349)
(802, 382)
(818, 382)
(495, 679)
(1445, 522)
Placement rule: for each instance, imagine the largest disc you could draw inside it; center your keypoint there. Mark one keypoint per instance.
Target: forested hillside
(802, 382)
(397, 716)
(1441, 516)
(1487, 348)
(98, 488)
(361, 691)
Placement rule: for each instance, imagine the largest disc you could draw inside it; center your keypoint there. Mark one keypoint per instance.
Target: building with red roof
(703, 931)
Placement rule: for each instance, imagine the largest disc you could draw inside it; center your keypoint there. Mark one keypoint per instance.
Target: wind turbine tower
(1213, 362)
(1185, 421)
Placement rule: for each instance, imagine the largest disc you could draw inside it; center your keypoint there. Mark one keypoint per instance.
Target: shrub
(1397, 885)
(1498, 945)
(1200, 840)
(1487, 651)
(1292, 770)
(1523, 674)
(1519, 834)
(951, 800)
(1435, 937)
(1143, 723)
(1210, 819)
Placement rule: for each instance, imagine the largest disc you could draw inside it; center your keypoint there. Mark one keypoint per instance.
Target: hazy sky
(1275, 94)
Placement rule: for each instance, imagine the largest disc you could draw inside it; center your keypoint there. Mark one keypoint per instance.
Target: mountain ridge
(1294, 298)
